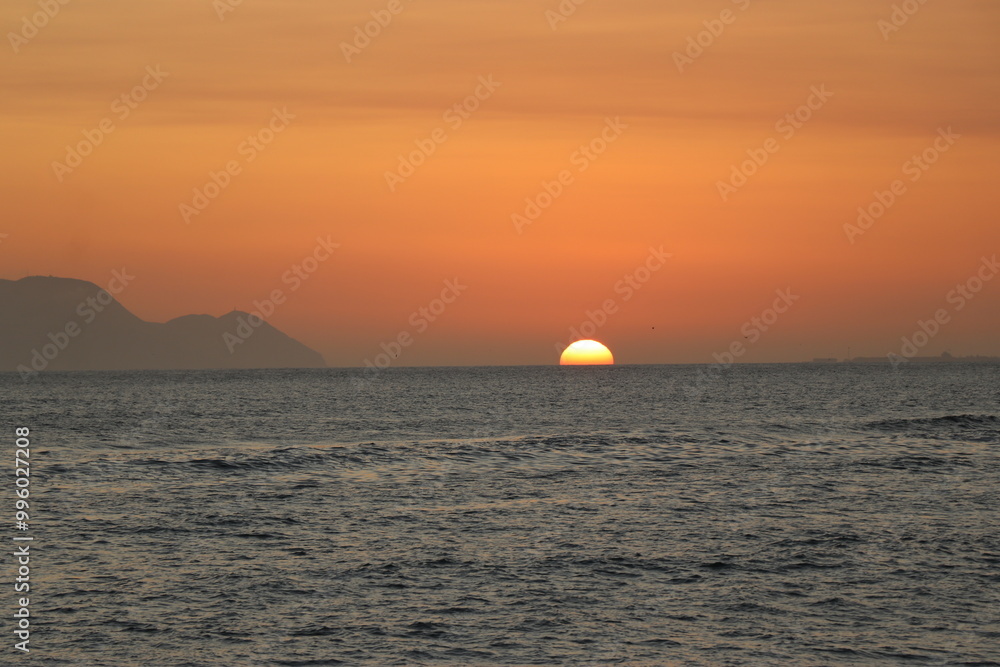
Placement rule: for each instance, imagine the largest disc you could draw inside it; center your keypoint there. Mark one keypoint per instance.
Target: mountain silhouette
(60, 324)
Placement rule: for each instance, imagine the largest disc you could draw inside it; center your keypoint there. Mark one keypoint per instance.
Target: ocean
(811, 514)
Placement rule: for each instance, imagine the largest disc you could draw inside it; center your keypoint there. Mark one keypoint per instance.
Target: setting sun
(586, 353)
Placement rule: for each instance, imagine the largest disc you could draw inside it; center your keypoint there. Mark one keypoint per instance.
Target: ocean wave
(977, 428)
(946, 421)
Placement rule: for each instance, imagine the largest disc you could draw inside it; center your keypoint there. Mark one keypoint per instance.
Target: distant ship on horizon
(944, 357)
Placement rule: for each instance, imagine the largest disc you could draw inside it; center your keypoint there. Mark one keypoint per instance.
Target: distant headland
(64, 324)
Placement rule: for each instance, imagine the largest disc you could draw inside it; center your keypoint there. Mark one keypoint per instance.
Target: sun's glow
(586, 353)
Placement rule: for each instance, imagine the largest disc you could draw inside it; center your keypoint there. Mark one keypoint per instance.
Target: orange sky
(656, 185)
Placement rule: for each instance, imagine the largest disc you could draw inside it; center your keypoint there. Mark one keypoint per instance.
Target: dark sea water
(787, 514)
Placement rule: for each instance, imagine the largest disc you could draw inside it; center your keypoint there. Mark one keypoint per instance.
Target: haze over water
(795, 514)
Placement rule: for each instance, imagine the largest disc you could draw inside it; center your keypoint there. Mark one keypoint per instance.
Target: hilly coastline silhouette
(64, 324)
